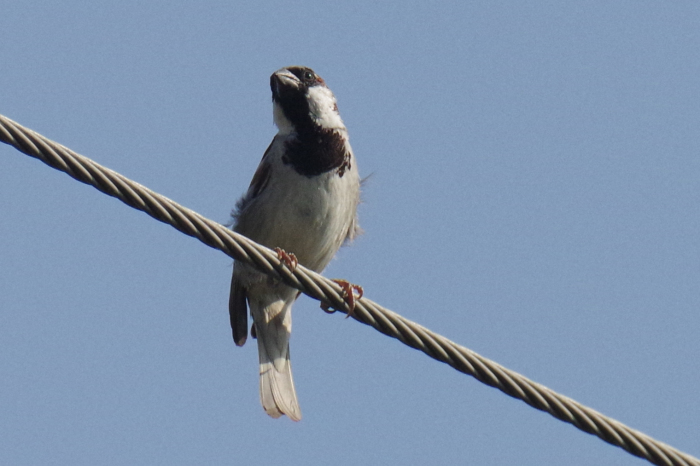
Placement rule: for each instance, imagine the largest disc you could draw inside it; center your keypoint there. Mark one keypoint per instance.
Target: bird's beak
(286, 78)
(282, 80)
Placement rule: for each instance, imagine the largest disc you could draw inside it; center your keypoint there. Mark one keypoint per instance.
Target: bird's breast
(306, 215)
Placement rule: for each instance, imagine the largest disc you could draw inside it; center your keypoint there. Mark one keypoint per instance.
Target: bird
(302, 201)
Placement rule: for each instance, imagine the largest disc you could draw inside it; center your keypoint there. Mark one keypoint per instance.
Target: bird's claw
(287, 258)
(349, 296)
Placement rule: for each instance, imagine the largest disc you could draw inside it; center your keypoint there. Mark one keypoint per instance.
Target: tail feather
(277, 393)
(238, 312)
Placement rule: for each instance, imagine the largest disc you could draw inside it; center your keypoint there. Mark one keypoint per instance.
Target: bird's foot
(349, 296)
(288, 258)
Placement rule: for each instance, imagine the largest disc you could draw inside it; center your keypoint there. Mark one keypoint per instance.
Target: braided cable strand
(385, 321)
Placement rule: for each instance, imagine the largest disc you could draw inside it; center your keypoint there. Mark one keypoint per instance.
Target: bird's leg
(349, 290)
(289, 259)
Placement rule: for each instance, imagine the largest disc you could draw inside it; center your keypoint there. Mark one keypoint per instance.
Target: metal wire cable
(385, 321)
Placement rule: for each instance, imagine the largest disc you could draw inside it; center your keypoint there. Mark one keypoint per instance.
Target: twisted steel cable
(385, 321)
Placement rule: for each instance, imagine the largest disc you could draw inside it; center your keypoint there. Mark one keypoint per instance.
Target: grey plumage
(303, 199)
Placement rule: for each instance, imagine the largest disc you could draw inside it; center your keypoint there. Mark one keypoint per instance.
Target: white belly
(310, 217)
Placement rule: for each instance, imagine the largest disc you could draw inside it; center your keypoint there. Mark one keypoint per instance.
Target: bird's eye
(308, 76)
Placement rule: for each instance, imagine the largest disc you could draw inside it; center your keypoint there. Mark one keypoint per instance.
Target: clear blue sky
(534, 196)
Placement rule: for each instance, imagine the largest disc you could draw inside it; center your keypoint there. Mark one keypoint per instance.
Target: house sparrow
(303, 200)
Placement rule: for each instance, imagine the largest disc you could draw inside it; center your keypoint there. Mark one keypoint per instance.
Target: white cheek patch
(323, 107)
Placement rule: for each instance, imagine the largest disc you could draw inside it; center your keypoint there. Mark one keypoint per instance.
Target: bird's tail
(273, 326)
